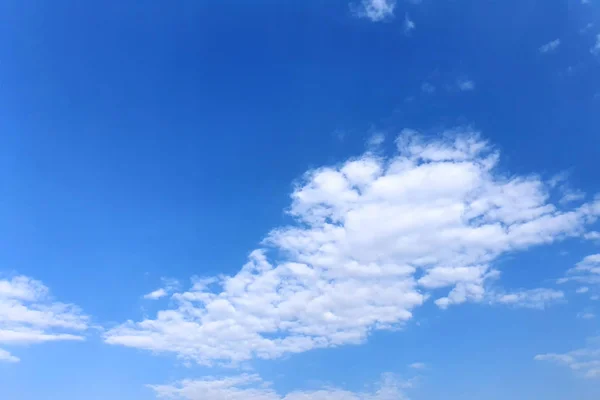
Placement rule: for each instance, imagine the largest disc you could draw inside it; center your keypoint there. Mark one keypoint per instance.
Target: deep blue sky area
(149, 140)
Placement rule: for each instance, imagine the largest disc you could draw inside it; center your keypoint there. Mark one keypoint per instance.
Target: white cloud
(587, 271)
(375, 10)
(593, 235)
(169, 286)
(29, 315)
(586, 315)
(155, 295)
(376, 140)
(374, 238)
(586, 28)
(251, 387)
(596, 47)
(570, 196)
(550, 46)
(427, 87)
(418, 365)
(535, 298)
(583, 289)
(5, 356)
(409, 25)
(585, 361)
(465, 85)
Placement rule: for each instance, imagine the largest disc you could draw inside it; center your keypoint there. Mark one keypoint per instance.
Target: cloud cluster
(375, 10)
(251, 387)
(374, 238)
(585, 361)
(29, 315)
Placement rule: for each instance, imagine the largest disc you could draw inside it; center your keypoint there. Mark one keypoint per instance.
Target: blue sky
(299, 200)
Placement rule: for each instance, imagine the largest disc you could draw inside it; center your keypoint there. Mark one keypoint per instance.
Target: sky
(299, 200)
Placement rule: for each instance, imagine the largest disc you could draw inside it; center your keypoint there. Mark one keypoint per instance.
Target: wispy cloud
(374, 237)
(465, 85)
(587, 271)
(427, 87)
(593, 235)
(169, 286)
(375, 10)
(534, 298)
(586, 315)
(252, 387)
(29, 315)
(585, 361)
(586, 28)
(595, 50)
(550, 46)
(418, 365)
(409, 25)
(376, 140)
(5, 356)
(571, 196)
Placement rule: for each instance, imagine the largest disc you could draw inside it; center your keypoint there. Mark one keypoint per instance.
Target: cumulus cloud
(251, 387)
(375, 10)
(418, 365)
(550, 46)
(374, 237)
(29, 315)
(585, 361)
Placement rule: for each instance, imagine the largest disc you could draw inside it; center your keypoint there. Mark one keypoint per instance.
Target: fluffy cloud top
(251, 387)
(374, 238)
(585, 361)
(29, 315)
